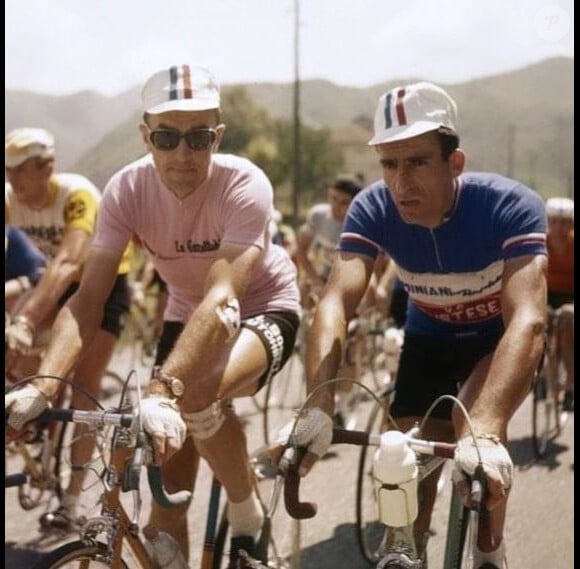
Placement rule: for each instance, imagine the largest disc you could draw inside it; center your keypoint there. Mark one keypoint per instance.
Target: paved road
(539, 531)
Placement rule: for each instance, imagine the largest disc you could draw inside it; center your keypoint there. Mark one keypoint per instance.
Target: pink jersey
(234, 204)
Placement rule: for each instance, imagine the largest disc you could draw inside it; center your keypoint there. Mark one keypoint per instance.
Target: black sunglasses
(168, 139)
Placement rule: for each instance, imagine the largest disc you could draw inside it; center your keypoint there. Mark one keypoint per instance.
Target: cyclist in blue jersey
(470, 250)
(23, 264)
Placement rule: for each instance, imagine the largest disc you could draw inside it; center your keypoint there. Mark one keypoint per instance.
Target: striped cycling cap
(411, 110)
(180, 88)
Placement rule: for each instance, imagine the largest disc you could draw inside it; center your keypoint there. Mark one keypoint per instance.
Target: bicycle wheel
(460, 524)
(285, 392)
(370, 531)
(220, 541)
(112, 384)
(43, 466)
(544, 421)
(76, 554)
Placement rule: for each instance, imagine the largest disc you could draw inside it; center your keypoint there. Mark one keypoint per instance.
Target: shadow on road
(340, 552)
(522, 453)
(19, 556)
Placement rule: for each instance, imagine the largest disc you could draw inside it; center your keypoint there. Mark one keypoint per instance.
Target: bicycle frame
(122, 475)
(114, 521)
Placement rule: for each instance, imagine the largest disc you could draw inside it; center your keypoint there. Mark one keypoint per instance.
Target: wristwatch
(174, 384)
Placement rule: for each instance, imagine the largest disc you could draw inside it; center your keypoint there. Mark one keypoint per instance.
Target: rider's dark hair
(449, 141)
(347, 184)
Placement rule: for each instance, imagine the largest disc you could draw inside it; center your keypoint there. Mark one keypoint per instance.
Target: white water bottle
(164, 550)
(395, 475)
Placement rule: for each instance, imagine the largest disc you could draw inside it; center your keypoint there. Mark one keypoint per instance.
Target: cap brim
(13, 161)
(407, 131)
(184, 105)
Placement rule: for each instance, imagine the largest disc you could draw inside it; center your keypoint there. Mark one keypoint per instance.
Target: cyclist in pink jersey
(232, 313)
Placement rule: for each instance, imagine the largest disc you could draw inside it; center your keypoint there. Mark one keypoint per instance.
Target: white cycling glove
(24, 405)
(494, 457)
(313, 432)
(161, 417)
(19, 335)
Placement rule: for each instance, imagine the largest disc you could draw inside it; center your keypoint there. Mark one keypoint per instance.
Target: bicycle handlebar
(304, 510)
(131, 482)
(161, 496)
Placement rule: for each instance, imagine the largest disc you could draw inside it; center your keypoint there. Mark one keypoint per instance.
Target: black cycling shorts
(430, 367)
(115, 308)
(558, 299)
(276, 330)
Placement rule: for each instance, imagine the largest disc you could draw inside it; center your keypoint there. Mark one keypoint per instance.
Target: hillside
(78, 121)
(519, 123)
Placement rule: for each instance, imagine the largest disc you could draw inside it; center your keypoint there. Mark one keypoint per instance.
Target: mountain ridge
(518, 123)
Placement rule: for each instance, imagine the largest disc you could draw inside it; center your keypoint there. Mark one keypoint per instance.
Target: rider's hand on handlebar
(162, 421)
(313, 432)
(24, 405)
(496, 462)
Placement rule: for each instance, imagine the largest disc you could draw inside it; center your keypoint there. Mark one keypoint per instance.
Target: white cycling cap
(560, 207)
(24, 143)
(180, 88)
(411, 110)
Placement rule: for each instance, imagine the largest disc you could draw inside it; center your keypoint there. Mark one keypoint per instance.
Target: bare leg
(566, 343)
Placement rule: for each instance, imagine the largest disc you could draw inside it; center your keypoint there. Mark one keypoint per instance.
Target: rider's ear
(457, 161)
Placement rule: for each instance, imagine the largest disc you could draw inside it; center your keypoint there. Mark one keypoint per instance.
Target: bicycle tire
(220, 540)
(457, 526)
(32, 492)
(369, 530)
(278, 392)
(542, 411)
(112, 384)
(72, 554)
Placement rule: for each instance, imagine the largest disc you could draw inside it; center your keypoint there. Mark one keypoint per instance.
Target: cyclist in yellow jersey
(58, 211)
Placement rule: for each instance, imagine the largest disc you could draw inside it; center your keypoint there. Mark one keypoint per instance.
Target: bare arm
(518, 353)
(304, 241)
(347, 283)
(204, 335)
(60, 273)
(80, 318)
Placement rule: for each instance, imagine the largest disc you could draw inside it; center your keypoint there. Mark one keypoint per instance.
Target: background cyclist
(58, 212)
(23, 265)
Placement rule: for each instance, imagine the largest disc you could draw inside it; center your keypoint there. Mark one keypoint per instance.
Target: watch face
(176, 386)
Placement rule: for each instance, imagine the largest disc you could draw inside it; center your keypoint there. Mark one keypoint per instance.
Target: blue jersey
(22, 258)
(452, 273)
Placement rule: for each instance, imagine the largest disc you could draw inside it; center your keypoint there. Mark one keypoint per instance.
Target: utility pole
(297, 170)
(510, 150)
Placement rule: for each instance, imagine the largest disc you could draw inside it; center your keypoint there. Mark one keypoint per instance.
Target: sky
(110, 46)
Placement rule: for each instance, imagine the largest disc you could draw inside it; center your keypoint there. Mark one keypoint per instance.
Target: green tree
(243, 120)
(269, 143)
